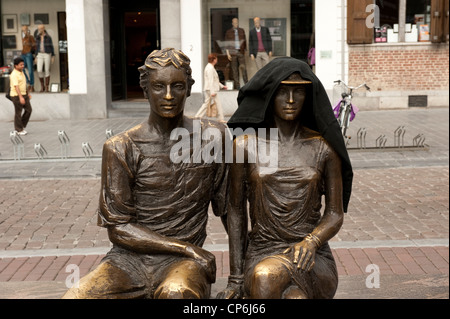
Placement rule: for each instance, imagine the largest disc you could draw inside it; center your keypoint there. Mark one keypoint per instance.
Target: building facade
(398, 47)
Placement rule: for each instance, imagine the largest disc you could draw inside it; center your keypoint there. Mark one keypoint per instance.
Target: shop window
(19, 23)
(377, 21)
(221, 21)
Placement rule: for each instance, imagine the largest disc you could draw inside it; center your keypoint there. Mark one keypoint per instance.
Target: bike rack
(399, 140)
(109, 133)
(87, 149)
(361, 137)
(19, 150)
(380, 142)
(65, 143)
(399, 136)
(40, 151)
(419, 140)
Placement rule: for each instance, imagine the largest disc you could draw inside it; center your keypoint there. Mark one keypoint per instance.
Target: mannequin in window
(260, 44)
(45, 56)
(28, 49)
(237, 45)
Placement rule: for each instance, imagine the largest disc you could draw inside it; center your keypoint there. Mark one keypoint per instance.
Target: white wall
(76, 46)
(170, 24)
(191, 39)
(331, 47)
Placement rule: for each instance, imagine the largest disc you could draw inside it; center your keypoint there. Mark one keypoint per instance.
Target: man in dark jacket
(260, 44)
(237, 45)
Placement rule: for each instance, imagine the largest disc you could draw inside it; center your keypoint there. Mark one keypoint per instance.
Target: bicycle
(344, 110)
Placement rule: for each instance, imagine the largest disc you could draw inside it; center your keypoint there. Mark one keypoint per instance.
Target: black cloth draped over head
(255, 98)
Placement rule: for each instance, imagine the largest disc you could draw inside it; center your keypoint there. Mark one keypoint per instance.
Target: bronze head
(163, 58)
(289, 97)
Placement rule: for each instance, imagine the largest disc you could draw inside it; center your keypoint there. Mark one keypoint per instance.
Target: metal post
(381, 141)
(399, 135)
(401, 20)
(19, 150)
(40, 151)
(87, 149)
(65, 143)
(361, 137)
(419, 140)
(109, 133)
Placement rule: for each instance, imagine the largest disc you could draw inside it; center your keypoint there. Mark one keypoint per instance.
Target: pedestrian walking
(212, 86)
(20, 96)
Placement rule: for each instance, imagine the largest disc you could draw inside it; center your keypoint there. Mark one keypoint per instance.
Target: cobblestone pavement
(397, 218)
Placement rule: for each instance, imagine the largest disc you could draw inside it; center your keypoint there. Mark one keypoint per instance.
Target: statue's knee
(294, 292)
(263, 274)
(175, 291)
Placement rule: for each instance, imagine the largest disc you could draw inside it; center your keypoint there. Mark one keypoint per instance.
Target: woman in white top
(211, 87)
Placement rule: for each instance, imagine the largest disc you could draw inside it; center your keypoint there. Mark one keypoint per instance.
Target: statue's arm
(140, 239)
(333, 216)
(237, 224)
(303, 253)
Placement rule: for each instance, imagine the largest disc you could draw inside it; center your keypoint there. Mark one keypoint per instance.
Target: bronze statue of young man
(156, 210)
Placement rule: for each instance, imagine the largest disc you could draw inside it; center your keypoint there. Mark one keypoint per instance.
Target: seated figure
(286, 254)
(155, 210)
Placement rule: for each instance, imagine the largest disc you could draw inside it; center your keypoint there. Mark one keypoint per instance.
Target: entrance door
(63, 60)
(302, 28)
(134, 32)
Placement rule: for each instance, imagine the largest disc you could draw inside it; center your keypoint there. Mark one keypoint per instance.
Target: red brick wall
(400, 67)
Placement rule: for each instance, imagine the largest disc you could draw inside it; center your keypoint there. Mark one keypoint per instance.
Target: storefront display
(17, 14)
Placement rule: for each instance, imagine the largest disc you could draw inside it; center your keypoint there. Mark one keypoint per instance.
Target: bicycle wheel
(341, 113)
(346, 121)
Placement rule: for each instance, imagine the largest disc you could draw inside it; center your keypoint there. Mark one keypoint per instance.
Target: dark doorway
(220, 23)
(63, 60)
(134, 33)
(302, 28)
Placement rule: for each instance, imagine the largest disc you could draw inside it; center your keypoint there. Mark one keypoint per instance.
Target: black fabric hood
(255, 97)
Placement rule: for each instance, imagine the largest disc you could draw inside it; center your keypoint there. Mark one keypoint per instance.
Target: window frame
(357, 13)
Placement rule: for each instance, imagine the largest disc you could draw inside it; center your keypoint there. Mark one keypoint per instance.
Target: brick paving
(349, 261)
(397, 218)
(386, 204)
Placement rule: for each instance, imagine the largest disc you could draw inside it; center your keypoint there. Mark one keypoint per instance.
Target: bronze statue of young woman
(286, 253)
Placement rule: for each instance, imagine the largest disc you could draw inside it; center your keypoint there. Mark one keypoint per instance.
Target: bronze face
(167, 90)
(288, 101)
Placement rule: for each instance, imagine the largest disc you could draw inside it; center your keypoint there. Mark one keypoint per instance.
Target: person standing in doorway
(237, 45)
(212, 86)
(28, 49)
(19, 96)
(45, 57)
(260, 44)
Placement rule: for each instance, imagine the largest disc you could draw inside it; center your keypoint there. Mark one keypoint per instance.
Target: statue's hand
(204, 258)
(233, 291)
(304, 254)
